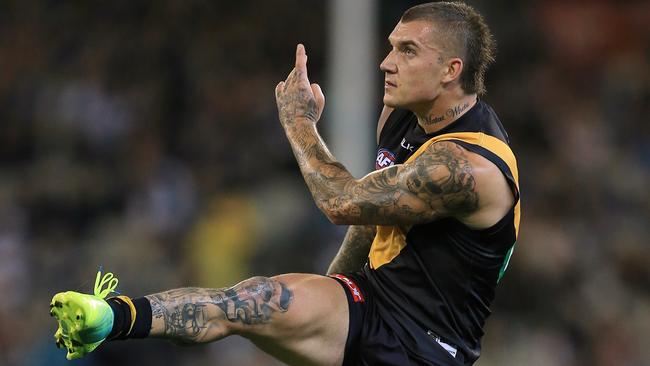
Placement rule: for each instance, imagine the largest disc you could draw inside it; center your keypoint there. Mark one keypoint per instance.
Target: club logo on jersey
(385, 159)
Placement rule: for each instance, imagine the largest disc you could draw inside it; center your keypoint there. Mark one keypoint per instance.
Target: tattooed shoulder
(443, 176)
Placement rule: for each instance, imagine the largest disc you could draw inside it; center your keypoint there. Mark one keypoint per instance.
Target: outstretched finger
(301, 58)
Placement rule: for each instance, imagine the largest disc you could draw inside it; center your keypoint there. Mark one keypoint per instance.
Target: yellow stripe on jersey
(388, 243)
(390, 240)
(496, 146)
(491, 143)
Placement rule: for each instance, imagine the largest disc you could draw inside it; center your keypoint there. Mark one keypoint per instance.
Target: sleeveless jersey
(438, 279)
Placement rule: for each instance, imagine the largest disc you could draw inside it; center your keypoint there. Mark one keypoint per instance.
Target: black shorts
(371, 340)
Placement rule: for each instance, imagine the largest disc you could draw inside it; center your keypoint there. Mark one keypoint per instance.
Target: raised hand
(296, 97)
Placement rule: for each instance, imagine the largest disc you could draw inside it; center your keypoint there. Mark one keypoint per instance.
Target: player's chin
(390, 101)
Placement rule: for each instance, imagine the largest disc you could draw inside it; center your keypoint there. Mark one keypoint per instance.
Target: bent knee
(314, 326)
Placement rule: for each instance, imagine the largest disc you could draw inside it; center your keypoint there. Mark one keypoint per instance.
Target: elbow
(338, 213)
(338, 220)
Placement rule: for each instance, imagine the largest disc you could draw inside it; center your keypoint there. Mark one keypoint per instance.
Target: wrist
(298, 122)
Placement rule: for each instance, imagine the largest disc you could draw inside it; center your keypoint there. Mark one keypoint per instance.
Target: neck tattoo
(456, 111)
(432, 120)
(451, 113)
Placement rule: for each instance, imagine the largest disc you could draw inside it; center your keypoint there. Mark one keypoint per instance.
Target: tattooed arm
(199, 315)
(441, 182)
(354, 250)
(355, 247)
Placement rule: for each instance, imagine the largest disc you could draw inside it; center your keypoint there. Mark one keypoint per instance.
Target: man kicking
(432, 229)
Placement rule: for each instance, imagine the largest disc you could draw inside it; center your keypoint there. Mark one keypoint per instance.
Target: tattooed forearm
(438, 183)
(198, 315)
(324, 176)
(354, 250)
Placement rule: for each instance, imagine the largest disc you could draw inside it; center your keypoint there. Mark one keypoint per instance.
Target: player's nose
(387, 65)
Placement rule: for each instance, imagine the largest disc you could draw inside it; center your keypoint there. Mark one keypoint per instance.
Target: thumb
(279, 89)
(319, 97)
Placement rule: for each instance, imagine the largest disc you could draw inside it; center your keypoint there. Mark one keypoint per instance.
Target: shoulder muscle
(443, 176)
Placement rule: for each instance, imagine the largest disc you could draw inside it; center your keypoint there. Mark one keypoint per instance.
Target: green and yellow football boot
(84, 320)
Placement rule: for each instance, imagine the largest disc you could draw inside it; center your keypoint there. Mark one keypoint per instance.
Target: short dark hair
(464, 34)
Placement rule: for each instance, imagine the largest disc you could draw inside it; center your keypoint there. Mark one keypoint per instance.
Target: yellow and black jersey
(437, 280)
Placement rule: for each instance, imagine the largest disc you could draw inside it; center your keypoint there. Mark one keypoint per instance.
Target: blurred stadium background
(142, 136)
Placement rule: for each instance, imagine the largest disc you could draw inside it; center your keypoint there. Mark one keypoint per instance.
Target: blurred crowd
(143, 136)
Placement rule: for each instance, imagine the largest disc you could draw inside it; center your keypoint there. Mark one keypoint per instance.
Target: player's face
(414, 66)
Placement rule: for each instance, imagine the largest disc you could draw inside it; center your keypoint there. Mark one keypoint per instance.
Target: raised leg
(301, 319)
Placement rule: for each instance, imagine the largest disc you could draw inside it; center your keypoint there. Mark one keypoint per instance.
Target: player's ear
(454, 66)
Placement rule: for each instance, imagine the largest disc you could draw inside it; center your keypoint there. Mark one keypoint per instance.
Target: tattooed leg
(300, 319)
(197, 315)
